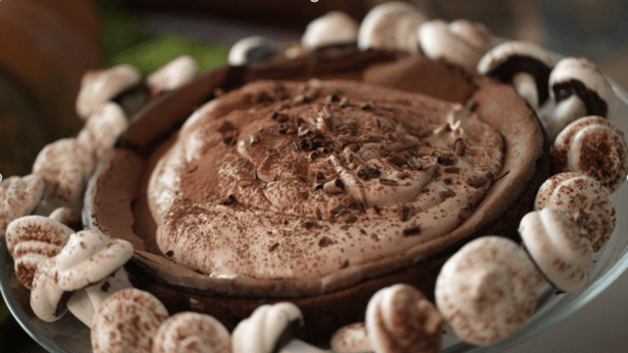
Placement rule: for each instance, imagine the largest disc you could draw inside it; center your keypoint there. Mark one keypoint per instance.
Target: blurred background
(47, 45)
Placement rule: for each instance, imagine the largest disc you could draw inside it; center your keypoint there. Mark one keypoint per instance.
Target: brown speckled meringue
(97, 87)
(352, 338)
(127, 322)
(487, 290)
(101, 130)
(19, 196)
(193, 333)
(64, 165)
(32, 240)
(584, 200)
(47, 299)
(400, 319)
(462, 42)
(593, 146)
(558, 247)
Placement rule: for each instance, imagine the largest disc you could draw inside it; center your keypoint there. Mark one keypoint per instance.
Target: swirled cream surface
(298, 180)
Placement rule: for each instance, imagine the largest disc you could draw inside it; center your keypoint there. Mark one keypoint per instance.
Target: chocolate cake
(318, 179)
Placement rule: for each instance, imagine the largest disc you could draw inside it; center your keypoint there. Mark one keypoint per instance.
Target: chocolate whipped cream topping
(298, 180)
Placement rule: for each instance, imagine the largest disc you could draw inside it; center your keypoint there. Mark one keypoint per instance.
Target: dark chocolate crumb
(273, 247)
(324, 242)
(412, 231)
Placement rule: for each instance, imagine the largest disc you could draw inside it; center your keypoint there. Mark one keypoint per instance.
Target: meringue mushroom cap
(101, 131)
(127, 322)
(585, 200)
(391, 25)
(438, 41)
(46, 297)
(400, 319)
(89, 257)
(333, 28)
(19, 196)
(558, 247)
(487, 290)
(588, 74)
(475, 33)
(352, 338)
(172, 75)
(32, 240)
(239, 52)
(99, 86)
(261, 332)
(192, 332)
(593, 146)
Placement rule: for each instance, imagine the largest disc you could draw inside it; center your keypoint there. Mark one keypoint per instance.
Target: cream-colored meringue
(172, 75)
(585, 200)
(251, 50)
(400, 319)
(333, 28)
(46, 297)
(352, 338)
(100, 86)
(89, 257)
(19, 196)
(593, 146)
(192, 333)
(64, 165)
(578, 88)
(127, 321)
(391, 25)
(461, 42)
(101, 131)
(487, 290)
(558, 246)
(261, 332)
(66, 216)
(32, 240)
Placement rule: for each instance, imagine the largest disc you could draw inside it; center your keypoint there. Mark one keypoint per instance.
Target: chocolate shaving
(303, 195)
(229, 200)
(445, 160)
(253, 139)
(352, 219)
(273, 247)
(459, 147)
(272, 152)
(414, 163)
(445, 193)
(345, 264)
(412, 231)
(307, 224)
(344, 102)
(406, 212)
(396, 159)
(452, 170)
(465, 213)
(426, 151)
(388, 182)
(324, 242)
(295, 146)
(327, 111)
(254, 174)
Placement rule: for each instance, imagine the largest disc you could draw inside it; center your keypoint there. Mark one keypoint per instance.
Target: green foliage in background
(128, 42)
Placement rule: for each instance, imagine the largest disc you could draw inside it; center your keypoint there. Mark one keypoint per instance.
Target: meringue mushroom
(172, 75)
(593, 146)
(101, 131)
(461, 42)
(19, 196)
(64, 166)
(578, 89)
(523, 64)
(487, 290)
(391, 25)
(127, 321)
(265, 329)
(333, 28)
(192, 332)
(98, 87)
(587, 202)
(32, 240)
(251, 50)
(352, 338)
(559, 248)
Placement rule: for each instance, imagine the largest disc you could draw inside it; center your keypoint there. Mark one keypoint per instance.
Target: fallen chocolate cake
(317, 180)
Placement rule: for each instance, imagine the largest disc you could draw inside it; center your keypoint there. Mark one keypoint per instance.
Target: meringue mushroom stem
(298, 346)
(85, 302)
(525, 84)
(566, 111)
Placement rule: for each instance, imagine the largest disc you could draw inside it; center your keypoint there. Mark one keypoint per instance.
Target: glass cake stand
(69, 335)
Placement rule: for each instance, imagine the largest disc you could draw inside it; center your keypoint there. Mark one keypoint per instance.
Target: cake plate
(69, 335)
